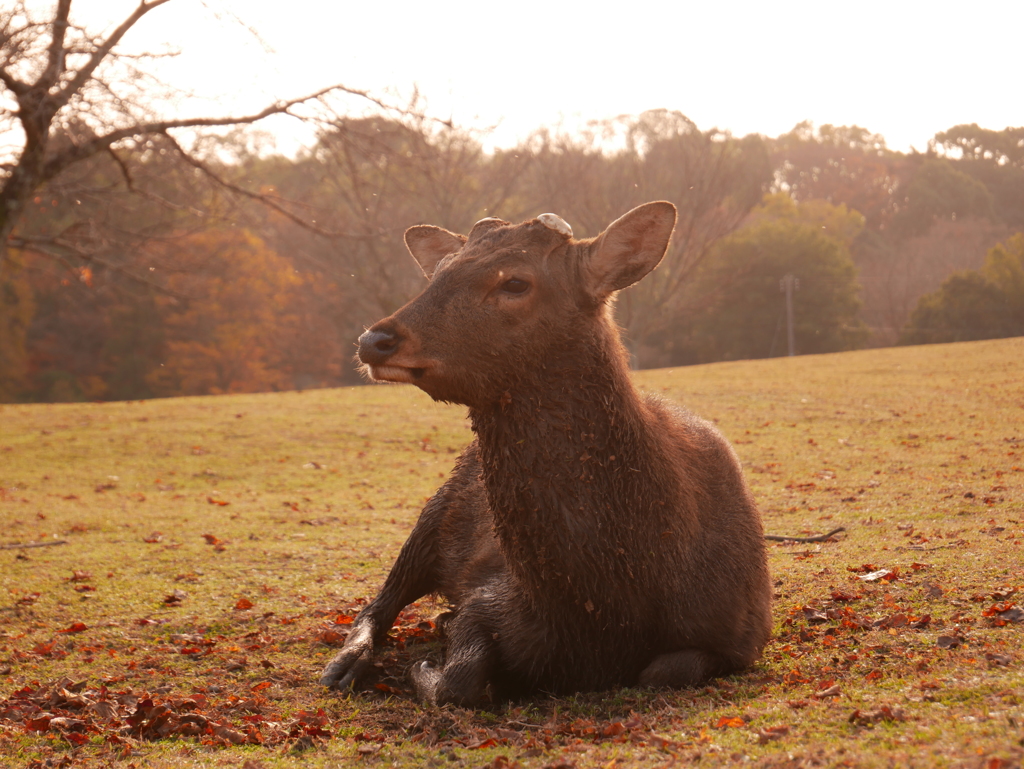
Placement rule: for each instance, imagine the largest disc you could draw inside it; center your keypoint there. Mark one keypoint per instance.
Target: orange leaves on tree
(243, 330)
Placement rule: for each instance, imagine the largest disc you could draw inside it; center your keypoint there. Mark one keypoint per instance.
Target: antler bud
(556, 223)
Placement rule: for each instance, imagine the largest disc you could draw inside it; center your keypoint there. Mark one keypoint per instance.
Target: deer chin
(399, 374)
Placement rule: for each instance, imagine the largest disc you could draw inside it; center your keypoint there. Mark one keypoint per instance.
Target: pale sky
(903, 69)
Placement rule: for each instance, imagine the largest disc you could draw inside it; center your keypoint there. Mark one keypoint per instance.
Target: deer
(590, 536)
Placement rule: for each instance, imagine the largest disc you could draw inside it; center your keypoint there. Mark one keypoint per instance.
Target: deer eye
(515, 286)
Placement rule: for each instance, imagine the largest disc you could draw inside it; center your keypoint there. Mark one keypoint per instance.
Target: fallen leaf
(772, 733)
(996, 659)
(871, 717)
(725, 722)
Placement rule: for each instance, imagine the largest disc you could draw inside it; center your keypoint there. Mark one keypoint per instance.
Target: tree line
(134, 264)
(194, 288)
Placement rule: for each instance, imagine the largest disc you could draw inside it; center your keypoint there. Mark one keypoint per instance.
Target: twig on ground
(34, 544)
(819, 538)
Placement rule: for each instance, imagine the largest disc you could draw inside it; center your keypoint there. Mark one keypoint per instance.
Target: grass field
(213, 550)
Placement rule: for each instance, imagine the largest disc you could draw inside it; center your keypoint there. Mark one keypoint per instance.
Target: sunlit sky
(903, 69)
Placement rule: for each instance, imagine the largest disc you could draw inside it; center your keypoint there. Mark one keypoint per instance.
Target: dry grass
(213, 543)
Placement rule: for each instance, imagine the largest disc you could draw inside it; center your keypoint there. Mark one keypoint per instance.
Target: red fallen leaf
(76, 627)
(75, 738)
(175, 598)
(772, 733)
(261, 685)
(344, 619)
(44, 649)
(28, 598)
(79, 576)
(243, 604)
(814, 616)
(318, 718)
(884, 713)
(725, 722)
(794, 677)
(1003, 613)
(40, 724)
(874, 675)
(997, 608)
(613, 729)
(220, 502)
(153, 538)
(84, 589)
(142, 621)
(998, 660)
(331, 637)
(367, 737)
(211, 539)
(315, 731)
(503, 762)
(797, 704)
(389, 689)
(839, 595)
(490, 742)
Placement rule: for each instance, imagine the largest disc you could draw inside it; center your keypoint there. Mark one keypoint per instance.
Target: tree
(939, 192)
(994, 158)
(371, 178)
(235, 323)
(842, 165)
(16, 309)
(739, 284)
(713, 178)
(67, 93)
(975, 304)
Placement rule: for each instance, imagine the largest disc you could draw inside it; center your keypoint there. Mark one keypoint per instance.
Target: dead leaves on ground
(119, 718)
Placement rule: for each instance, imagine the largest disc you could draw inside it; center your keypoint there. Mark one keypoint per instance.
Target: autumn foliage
(200, 289)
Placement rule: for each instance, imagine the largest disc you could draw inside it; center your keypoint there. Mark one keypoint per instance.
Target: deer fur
(590, 536)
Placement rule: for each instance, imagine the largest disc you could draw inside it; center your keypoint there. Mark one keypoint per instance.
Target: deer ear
(429, 245)
(630, 247)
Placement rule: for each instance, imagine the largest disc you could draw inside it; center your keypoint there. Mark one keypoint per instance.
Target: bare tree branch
(85, 73)
(56, 52)
(79, 152)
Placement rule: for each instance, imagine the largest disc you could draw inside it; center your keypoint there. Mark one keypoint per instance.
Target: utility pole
(789, 284)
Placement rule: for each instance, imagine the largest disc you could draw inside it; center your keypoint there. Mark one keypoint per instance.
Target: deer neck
(562, 458)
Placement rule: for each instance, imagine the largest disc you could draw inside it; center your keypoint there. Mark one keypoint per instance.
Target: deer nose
(375, 347)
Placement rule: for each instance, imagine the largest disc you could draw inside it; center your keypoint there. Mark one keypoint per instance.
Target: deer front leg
(470, 658)
(413, 576)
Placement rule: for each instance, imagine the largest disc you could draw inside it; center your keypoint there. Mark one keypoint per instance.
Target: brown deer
(590, 536)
